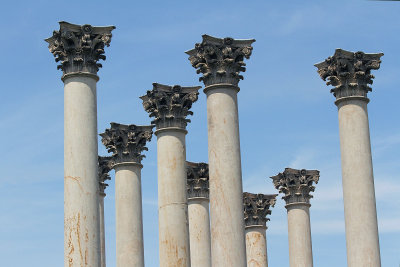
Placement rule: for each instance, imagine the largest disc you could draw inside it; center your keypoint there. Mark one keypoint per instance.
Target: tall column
(78, 49)
(126, 143)
(350, 74)
(105, 166)
(169, 105)
(199, 214)
(297, 185)
(221, 61)
(256, 209)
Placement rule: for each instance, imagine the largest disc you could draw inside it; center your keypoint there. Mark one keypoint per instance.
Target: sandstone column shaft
(297, 186)
(256, 247)
(227, 226)
(358, 184)
(126, 142)
(77, 49)
(172, 198)
(105, 166)
(220, 61)
(128, 207)
(200, 235)
(199, 214)
(299, 231)
(256, 209)
(350, 75)
(102, 232)
(81, 189)
(169, 105)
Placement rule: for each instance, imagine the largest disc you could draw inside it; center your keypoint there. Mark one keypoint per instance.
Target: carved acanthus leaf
(197, 180)
(349, 72)
(220, 60)
(296, 184)
(126, 142)
(256, 208)
(169, 105)
(105, 166)
(78, 48)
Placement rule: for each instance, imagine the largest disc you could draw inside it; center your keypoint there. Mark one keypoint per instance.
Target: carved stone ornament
(126, 142)
(349, 72)
(78, 48)
(169, 105)
(256, 208)
(105, 166)
(220, 60)
(197, 180)
(296, 184)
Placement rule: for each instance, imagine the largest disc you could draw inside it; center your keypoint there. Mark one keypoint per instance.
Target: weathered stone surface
(197, 180)
(78, 48)
(256, 208)
(296, 184)
(220, 60)
(127, 142)
(105, 166)
(169, 105)
(349, 72)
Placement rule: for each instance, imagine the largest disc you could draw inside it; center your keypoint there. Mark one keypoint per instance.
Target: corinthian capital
(256, 208)
(296, 184)
(197, 180)
(169, 105)
(78, 48)
(220, 60)
(349, 72)
(126, 142)
(105, 166)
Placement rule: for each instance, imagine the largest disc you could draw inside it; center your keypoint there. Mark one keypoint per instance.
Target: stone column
(169, 105)
(256, 209)
(78, 49)
(126, 143)
(221, 61)
(297, 185)
(105, 165)
(350, 74)
(199, 214)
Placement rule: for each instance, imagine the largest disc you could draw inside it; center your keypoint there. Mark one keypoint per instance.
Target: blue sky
(287, 115)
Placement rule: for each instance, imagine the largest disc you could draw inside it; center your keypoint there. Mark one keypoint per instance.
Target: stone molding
(169, 105)
(349, 72)
(105, 166)
(126, 142)
(256, 208)
(296, 185)
(78, 48)
(197, 180)
(220, 60)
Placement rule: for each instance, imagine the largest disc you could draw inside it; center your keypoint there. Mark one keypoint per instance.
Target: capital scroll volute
(78, 48)
(296, 185)
(170, 105)
(197, 180)
(257, 208)
(105, 165)
(127, 142)
(220, 60)
(349, 72)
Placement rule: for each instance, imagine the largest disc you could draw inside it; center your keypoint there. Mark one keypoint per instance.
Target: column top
(349, 72)
(197, 180)
(169, 105)
(78, 48)
(126, 142)
(296, 185)
(256, 208)
(220, 60)
(105, 166)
